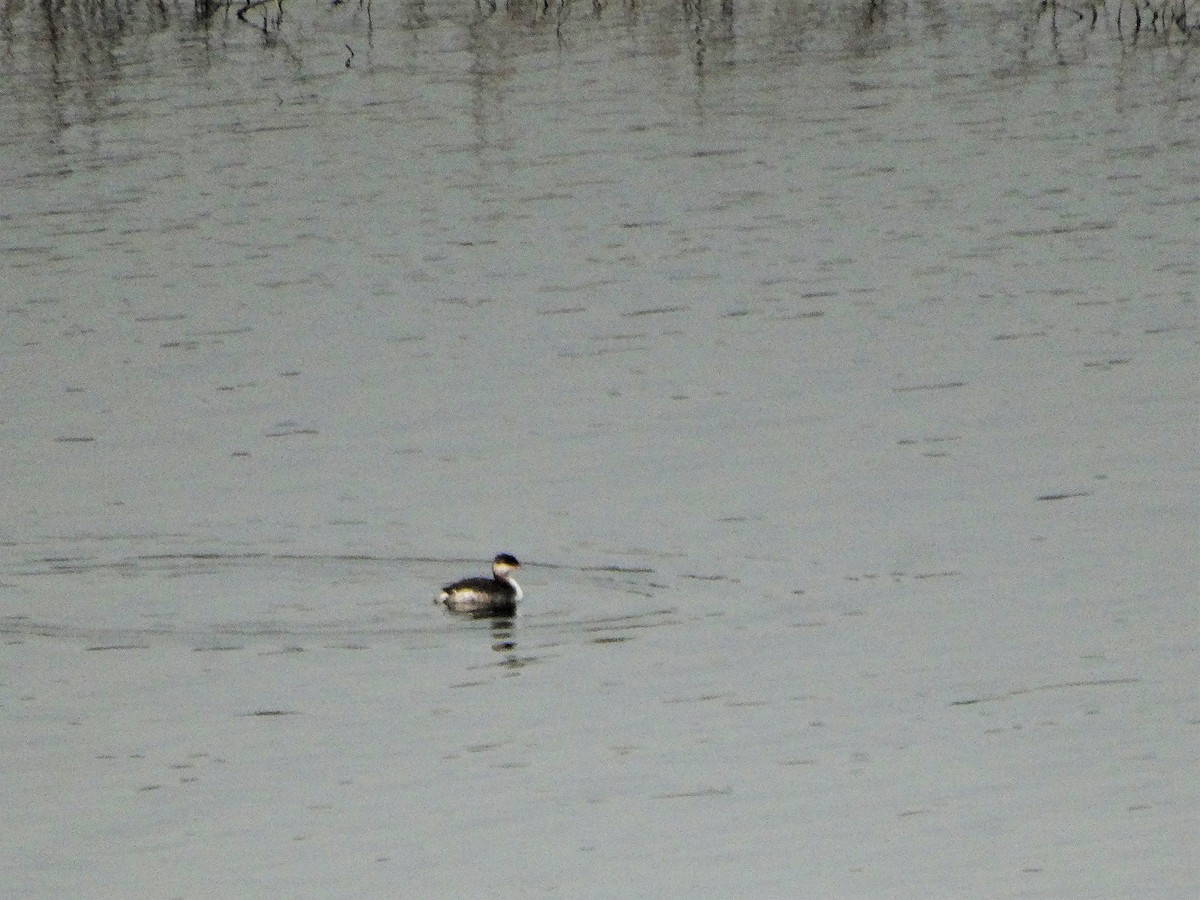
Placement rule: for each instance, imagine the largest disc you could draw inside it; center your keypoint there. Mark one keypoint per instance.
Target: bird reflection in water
(504, 641)
(504, 635)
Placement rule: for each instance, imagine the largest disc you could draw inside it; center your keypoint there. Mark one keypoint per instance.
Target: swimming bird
(495, 596)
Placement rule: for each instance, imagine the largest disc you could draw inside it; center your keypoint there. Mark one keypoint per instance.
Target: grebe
(495, 596)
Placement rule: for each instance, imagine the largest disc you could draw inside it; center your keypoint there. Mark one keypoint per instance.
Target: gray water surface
(831, 366)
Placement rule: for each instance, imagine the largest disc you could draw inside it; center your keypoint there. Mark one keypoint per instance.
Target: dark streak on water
(268, 713)
(929, 387)
(121, 647)
(1101, 682)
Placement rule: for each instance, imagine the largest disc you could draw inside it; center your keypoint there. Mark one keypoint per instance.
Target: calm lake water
(832, 366)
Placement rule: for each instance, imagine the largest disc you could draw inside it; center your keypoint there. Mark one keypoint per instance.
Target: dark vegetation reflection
(70, 55)
(84, 35)
(74, 61)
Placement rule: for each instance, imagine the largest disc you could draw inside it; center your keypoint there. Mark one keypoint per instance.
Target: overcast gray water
(831, 366)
